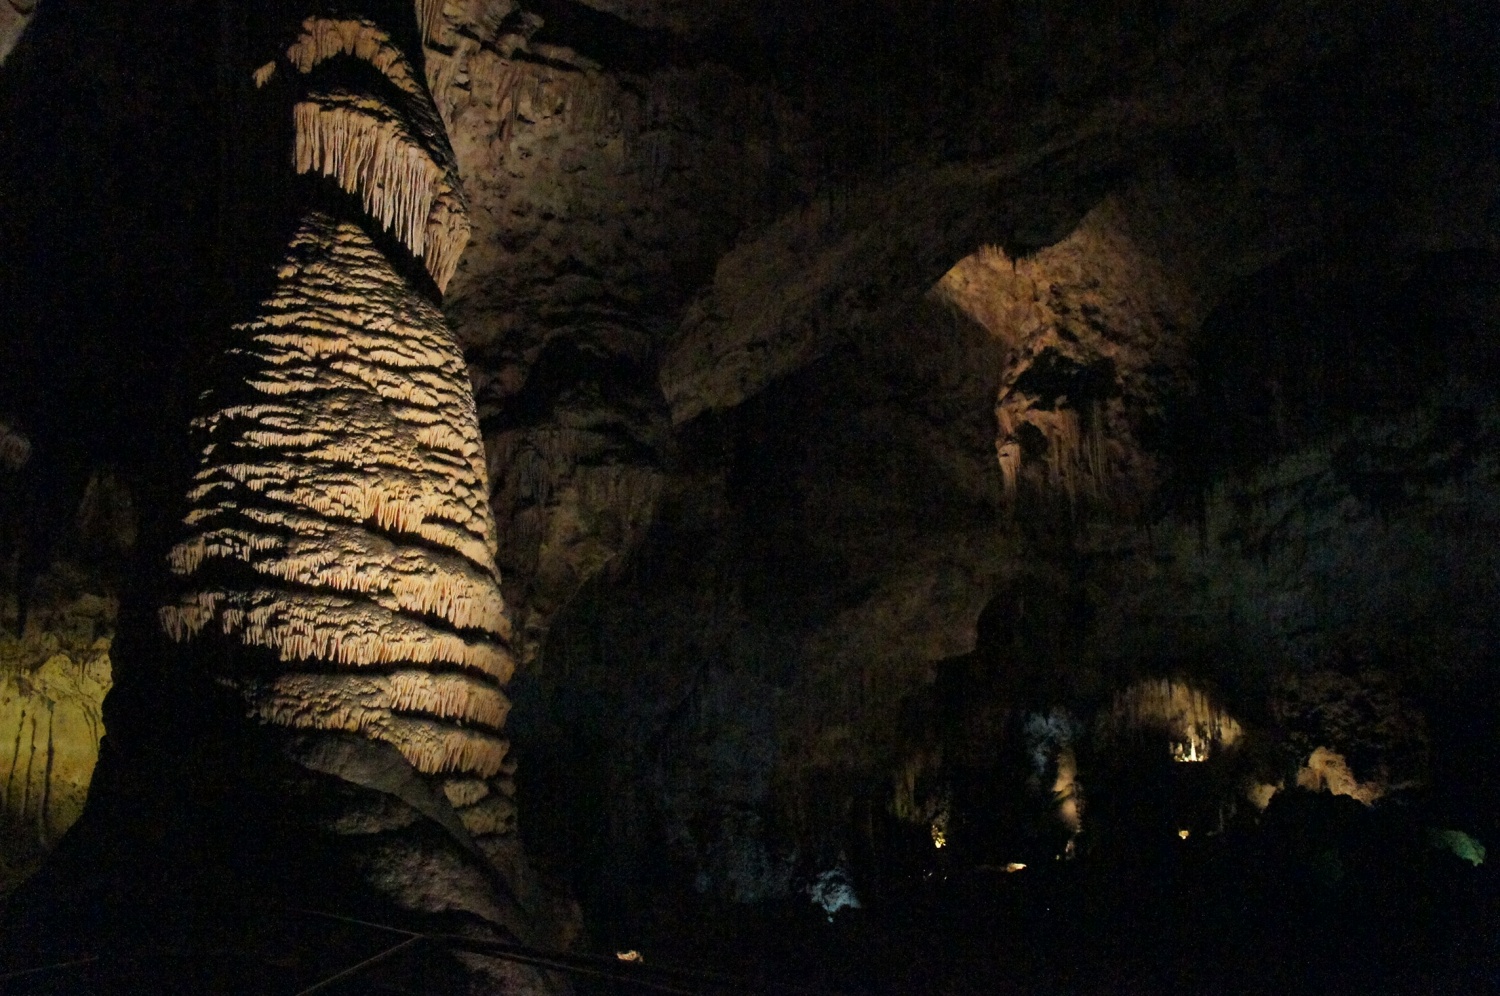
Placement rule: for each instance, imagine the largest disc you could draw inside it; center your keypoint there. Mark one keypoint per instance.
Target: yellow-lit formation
(339, 520)
(1191, 750)
(1194, 725)
(1327, 769)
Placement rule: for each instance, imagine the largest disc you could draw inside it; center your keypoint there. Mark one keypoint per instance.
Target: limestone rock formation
(51, 722)
(14, 17)
(887, 440)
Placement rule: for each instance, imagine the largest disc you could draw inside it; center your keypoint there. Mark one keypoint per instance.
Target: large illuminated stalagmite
(336, 559)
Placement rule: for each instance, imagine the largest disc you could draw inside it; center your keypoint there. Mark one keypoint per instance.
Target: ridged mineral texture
(339, 517)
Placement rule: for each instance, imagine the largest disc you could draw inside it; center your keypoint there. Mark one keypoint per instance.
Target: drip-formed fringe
(448, 232)
(362, 145)
(429, 18)
(341, 558)
(433, 748)
(493, 815)
(465, 791)
(364, 502)
(1008, 454)
(451, 696)
(339, 515)
(1173, 707)
(324, 38)
(441, 696)
(302, 627)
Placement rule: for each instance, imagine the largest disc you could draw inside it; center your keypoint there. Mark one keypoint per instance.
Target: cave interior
(987, 496)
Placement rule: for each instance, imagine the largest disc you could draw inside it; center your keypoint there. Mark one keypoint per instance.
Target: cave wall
(1257, 459)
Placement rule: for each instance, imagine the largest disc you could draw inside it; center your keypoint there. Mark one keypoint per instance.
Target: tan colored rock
(1196, 726)
(354, 494)
(1327, 771)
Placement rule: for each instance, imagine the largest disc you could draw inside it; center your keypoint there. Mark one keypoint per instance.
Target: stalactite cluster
(368, 149)
(1073, 455)
(395, 158)
(1188, 716)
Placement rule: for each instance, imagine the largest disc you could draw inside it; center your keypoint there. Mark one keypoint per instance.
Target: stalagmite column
(337, 556)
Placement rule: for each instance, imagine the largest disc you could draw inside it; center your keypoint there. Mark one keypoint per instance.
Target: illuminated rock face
(56, 632)
(391, 152)
(1081, 322)
(859, 439)
(1197, 728)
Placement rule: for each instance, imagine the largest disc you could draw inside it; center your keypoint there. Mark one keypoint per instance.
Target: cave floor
(1374, 913)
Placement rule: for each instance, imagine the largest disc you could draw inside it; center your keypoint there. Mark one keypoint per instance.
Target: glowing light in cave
(631, 955)
(833, 890)
(1193, 724)
(1184, 834)
(1193, 750)
(1328, 770)
(939, 826)
(1014, 866)
(1459, 843)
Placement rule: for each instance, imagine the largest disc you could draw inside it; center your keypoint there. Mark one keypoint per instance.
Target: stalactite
(433, 748)
(367, 147)
(444, 695)
(396, 157)
(1189, 717)
(429, 18)
(1008, 454)
(324, 38)
(1073, 460)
